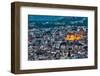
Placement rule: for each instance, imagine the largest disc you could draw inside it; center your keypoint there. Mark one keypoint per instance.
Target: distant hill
(52, 21)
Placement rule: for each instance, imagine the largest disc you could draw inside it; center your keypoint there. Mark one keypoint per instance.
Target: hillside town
(59, 42)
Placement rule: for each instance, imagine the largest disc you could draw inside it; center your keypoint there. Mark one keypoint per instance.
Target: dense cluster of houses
(63, 42)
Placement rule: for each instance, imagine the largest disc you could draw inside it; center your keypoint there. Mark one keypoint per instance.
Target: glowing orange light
(72, 36)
